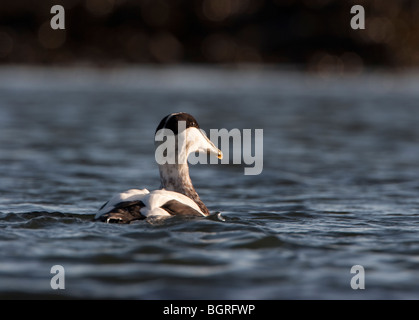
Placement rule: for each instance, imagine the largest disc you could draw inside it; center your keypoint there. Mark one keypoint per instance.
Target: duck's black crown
(171, 121)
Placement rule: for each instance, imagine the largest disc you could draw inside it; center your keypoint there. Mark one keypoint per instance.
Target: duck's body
(176, 195)
(138, 204)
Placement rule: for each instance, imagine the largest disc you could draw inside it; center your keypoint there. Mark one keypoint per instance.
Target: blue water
(339, 186)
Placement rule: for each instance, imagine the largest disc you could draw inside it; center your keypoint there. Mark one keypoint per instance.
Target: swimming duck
(176, 196)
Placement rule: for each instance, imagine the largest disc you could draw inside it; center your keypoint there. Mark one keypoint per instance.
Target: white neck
(175, 177)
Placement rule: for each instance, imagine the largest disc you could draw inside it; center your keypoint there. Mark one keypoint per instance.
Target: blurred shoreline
(312, 34)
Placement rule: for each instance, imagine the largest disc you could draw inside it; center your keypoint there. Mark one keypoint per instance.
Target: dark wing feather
(124, 212)
(176, 208)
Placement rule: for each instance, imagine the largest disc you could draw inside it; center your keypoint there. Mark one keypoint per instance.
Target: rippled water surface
(339, 186)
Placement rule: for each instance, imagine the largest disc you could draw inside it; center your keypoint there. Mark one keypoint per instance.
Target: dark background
(310, 33)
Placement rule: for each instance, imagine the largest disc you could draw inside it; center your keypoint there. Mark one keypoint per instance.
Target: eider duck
(176, 196)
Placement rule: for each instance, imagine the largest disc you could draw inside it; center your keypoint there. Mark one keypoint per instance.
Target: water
(339, 187)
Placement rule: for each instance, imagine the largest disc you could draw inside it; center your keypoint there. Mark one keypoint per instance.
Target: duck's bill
(212, 149)
(203, 144)
(217, 152)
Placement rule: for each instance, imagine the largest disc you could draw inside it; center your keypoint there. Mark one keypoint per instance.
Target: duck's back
(138, 204)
